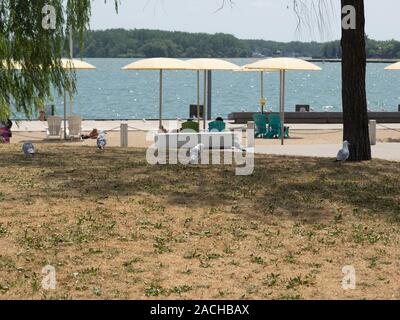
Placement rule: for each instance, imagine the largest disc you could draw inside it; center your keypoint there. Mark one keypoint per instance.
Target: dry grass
(117, 228)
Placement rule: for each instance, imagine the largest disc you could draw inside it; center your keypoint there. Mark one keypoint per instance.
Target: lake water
(110, 93)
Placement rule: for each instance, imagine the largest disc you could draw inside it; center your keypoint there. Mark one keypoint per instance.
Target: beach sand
(140, 139)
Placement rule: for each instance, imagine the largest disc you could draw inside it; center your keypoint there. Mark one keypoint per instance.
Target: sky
(246, 19)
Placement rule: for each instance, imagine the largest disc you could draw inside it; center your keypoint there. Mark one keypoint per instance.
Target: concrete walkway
(108, 125)
(88, 125)
(384, 151)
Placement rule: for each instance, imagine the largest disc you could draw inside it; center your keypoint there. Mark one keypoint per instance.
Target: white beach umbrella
(67, 64)
(160, 64)
(12, 66)
(282, 65)
(76, 64)
(394, 67)
(262, 72)
(208, 64)
(72, 64)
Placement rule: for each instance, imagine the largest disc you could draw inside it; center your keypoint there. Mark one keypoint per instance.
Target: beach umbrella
(263, 101)
(283, 65)
(394, 67)
(13, 65)
(72, 64)
(208, 64)
(67, 64)
(160, 64)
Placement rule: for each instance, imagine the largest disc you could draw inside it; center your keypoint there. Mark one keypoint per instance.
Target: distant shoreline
(151, 43)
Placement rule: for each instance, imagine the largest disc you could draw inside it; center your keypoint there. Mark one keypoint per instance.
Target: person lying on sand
(92, 135)
(163, 130)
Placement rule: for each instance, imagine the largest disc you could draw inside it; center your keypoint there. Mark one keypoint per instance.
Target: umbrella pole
(161, 99)
(205, 100)
(65, 114)
(71, 56)
(71, 44)
(70, 104)
(262, 92)
(282, 105)
(198, 97)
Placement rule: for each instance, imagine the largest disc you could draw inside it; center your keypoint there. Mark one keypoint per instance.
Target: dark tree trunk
(354, 98)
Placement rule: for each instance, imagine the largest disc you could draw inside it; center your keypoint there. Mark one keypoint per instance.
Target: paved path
(88, 125)
(385, 151)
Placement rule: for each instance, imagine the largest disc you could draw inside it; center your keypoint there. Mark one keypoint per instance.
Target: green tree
(354, 96)
(354, 61)
(38, 50)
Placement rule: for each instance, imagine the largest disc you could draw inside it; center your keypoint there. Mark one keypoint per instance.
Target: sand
(140, 139)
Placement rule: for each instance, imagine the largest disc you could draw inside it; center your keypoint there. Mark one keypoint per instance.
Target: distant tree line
(120, 43)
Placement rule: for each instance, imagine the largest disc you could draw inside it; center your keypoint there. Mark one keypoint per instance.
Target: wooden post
(250, 134)
(205, 102)
(161, 100)
(209, 95)
(124, 135)
(372, 132)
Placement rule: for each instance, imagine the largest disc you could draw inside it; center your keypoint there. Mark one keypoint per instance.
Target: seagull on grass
(101, 140)
(237, 145)
(195, 153)
(29, 149)
(344, 153)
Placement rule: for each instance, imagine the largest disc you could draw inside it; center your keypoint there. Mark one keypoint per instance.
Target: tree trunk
(354, 98)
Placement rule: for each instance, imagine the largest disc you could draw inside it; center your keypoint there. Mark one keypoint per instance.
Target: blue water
(110, 93)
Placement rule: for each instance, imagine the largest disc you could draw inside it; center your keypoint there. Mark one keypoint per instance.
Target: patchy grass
(115, 227)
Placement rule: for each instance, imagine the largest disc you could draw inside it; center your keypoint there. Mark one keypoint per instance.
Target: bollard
(372, 132)
(250, 131)
(124, 135)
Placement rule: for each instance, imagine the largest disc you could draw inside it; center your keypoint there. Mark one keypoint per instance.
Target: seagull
(195, 153)
(101, 140)
(29, 149)
(343, 153)
(238, 145)
(328, 108)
